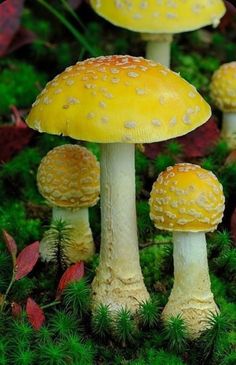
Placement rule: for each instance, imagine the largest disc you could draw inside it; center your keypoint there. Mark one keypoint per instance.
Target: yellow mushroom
(69, 178)
(189, 201)
(223, 94)
(159, 19)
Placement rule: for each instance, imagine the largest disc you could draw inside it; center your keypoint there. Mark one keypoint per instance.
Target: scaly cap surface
(68, 176)
(186, 197)
(223, 87)
(118, 99)
(160, 16)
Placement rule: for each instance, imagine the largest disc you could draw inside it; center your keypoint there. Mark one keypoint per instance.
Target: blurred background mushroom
(69, 178)
(223, 94)
(188, 201)
(159, 20)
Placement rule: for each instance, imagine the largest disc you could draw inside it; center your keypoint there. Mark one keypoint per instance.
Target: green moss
(20, 83)
(78, 351)
(124, 327)
(102, 321)
(61, 324)
(149, 313)
(18, 176)
(154, 260)
(145, 225)
(13, 218)
(52, 353)
(175, 334)
(77, 296)
(23, 289)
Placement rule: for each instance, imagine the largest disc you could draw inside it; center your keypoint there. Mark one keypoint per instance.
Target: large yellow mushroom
(118, 101)
(188, 201)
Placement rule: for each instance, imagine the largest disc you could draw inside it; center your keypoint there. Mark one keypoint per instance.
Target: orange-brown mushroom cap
(68, 176)
(187, 198)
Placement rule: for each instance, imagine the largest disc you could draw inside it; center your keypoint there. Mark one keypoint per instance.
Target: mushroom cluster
(223, 93)
(118, 101)
(68, 178)
(188, 201)
(159, 19)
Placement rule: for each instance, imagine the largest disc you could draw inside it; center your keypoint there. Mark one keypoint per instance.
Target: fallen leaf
(22, 37)
(73, 273)
(201, 140)
(13, 137)
(26, 260)
(16, 309)
(229, 18)
(10, 243)
(233, 225)
(35, 314)
(195, 144)
(10, 13)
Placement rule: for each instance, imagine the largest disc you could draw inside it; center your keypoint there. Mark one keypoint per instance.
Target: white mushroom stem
(158, 48)
(229, 128)
(191, 295)
(118, 281)
(80, 245)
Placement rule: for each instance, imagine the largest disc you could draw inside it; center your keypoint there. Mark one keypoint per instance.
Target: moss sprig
(77, 297)
(102, 321)
(175, 334)
(124, 327)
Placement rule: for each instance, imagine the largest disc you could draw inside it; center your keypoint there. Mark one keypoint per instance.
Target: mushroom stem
(191, 295)
(118, 281)
(158, 48)
(229, 129)
(80, 245)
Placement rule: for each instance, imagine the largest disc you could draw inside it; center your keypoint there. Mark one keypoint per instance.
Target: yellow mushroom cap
(186, 197)
(118, 99)
(68, 176)
(223, 87)
(160, 16)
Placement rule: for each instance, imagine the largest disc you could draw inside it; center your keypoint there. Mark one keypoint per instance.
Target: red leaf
(12, 139)
(35, 314)
(10, 243)
(10, 12)
(26, 260)
(199, 142)
(73, 273)
(195, 144)
(16, 309)
(21, 38)
(229, 17)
